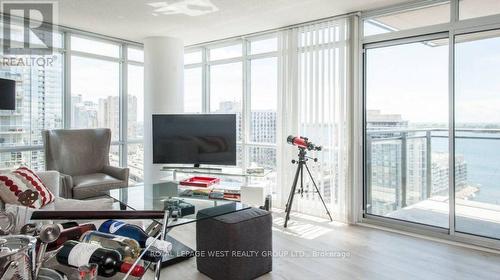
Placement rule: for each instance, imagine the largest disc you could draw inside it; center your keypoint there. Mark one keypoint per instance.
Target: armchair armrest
(66, 189)
(117, 172)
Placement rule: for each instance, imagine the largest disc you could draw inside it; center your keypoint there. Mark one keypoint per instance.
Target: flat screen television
(194, 139)
(7, 94)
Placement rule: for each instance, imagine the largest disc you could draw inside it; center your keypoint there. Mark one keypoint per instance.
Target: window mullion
(67, 81)
(205, 81)
(123, 119)
(245, 114)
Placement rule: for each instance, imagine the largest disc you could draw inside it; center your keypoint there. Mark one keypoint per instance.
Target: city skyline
(38, 92)
(386, 170)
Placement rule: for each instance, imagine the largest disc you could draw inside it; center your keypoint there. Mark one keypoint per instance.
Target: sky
(478, 80)
(95, 79)
(412, 80)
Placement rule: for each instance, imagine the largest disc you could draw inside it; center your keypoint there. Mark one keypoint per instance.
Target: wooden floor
(367, 254)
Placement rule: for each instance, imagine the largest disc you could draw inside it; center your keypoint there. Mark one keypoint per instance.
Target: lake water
(482, 157)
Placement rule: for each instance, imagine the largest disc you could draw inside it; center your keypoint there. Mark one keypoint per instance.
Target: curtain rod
(272, 30)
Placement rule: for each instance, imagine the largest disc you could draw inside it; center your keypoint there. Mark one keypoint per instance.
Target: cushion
(100, 204)
(249, 230)
(22, 184)
(93, 185)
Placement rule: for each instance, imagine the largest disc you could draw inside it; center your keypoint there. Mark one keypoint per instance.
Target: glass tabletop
(165, 195)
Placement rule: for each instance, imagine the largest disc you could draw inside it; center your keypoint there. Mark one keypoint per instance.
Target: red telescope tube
(302, 142)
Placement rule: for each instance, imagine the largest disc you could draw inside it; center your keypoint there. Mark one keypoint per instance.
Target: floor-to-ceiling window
(95, 88)
(193, 81)
(135, 113)
(406, 130)
(106, 86)
(288, 82)
(239, 77)
(87, 82)
(431, 122)
(39, 105)
(261, 107)
(477, 133)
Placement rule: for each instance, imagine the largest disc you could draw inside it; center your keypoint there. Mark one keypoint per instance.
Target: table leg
(163, 234)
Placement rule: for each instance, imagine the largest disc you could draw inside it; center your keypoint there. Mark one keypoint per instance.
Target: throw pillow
(18, 184)
(30, 178)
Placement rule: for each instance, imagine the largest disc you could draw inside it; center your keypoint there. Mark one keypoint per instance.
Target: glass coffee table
(157, 198)
(183, 210)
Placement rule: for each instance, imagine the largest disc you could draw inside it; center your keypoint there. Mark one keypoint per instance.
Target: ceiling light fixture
(186, 7)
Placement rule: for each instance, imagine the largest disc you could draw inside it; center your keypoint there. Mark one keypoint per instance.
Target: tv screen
(7, 94)
(194, 139)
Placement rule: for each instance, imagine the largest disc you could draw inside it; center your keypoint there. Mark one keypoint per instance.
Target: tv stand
(214, 171)
(259, 187)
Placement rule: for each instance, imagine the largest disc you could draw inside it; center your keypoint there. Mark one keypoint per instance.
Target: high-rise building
(395, 150)
(84, 113)
(134, 128)
(262, 130)
(108, 114)
(38, 107)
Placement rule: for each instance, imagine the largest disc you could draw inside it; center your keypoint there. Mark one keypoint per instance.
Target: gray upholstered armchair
(82, 158)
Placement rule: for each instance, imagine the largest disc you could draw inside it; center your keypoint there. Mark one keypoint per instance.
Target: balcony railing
(403, 136)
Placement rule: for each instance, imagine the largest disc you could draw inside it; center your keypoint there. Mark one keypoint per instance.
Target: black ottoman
(236, 246)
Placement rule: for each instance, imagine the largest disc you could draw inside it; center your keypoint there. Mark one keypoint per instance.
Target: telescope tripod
(302, 162)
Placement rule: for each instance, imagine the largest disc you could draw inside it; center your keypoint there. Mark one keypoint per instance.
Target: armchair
(81, 156)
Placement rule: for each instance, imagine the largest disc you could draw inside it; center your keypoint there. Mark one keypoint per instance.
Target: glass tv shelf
(231, 172)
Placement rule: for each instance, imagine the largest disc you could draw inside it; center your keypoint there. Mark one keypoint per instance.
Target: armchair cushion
(94, 185)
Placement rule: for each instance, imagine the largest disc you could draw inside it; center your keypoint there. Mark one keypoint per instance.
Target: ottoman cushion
(235, 246)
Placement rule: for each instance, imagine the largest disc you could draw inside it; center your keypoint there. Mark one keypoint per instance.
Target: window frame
(245, 59)
(450, 29)
(123, 61)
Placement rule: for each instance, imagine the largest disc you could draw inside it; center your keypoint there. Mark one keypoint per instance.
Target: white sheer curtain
(313, 67)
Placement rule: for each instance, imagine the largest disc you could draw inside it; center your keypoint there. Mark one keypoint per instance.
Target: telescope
(302, 143)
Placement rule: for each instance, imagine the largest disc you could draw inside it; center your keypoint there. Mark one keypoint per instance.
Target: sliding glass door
(431, 116)
(406, 130)
(477, 133)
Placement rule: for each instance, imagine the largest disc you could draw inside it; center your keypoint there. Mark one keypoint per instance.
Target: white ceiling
(197, 21)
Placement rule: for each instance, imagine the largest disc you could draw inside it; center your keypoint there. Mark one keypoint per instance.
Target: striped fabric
(12, 184)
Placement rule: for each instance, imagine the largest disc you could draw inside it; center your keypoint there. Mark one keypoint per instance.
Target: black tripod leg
(317, 190)
(293, 189)
(288, 206)
(301, 179)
